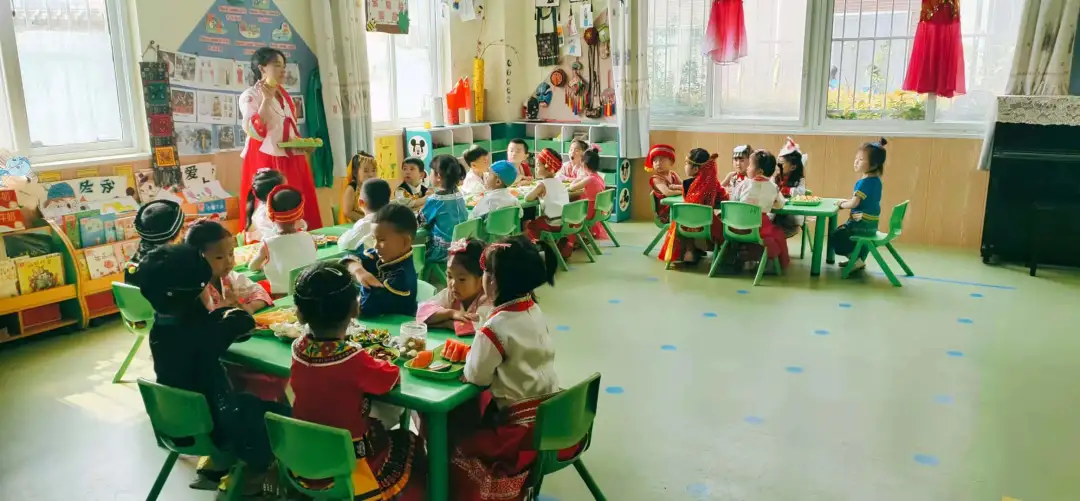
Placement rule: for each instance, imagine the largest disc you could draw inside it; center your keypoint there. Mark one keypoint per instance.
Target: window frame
(435, 29)
(813, 119)
(132, 130)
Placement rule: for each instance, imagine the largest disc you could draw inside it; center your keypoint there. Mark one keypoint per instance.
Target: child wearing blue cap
(496, 195)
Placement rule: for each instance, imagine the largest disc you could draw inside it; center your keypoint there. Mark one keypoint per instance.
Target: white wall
(169, 22)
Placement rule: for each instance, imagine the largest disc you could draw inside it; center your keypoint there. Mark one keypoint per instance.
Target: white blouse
(513, 354)
(761, 192)
(274, 122)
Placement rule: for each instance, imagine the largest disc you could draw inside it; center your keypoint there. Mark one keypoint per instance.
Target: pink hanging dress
(725, 36)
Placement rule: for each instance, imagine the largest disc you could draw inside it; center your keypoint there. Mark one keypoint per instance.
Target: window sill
(90, 161)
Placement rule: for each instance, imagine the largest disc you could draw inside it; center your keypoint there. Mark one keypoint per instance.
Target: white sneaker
(859, 265)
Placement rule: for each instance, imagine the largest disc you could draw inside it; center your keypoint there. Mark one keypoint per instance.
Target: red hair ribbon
(284, 216)
(552, 163)
(491, 248)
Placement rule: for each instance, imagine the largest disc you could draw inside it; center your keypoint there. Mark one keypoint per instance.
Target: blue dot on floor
(954, 353)
(845, 305)
(709, 314)
(698, 490)
(794, 369)
(927, 460)
(668, 347)
(614, 390)
(965, 321)
(943, 399)
(754, 420)
(976, 294)
(563, 328)
(545, 497)
(742, 291)
(652, 279)
(614, 301)
(821, 332)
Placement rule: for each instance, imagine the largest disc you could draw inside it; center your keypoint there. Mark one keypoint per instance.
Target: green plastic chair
(470, 228)
(693, 216)
(313, 451)
(573, 222)
(424, 291)
(419, 258)
(335, 212)
(659, 235)
(604, 205)
(746, 217)
(805, 238)
(563, 421)
(182, 424)
(501, 223)
(240, 239)
(896, 224)
(138, 317)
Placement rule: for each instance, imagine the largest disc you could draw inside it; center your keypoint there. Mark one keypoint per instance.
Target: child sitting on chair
(412, 192)
(292, 248)
(865, 203)
(704, 189)
(331, 379)
(441, 213)
(664, 181)
(227, 287)
(462, 305)
(187, 342)
(497, 194)
(740, 161)
(158, 223)
(551, 192)
(591, 184)
(361, 168)
(386, 272)
(758, 189)
(791, 180)
(374, 195)
(479, 161)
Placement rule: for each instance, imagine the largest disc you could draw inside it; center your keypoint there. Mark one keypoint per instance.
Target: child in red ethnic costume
(705, 189)
(664, 181)
(553, 196)
(759, 190)
(513, 356)
(332, 378)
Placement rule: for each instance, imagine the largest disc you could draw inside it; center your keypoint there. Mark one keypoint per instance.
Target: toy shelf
(17, 313)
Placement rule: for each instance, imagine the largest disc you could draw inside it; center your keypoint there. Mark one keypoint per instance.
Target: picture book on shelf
(101, 261)
(30, 243)
(119, 205)
(9, 279)
(91, 228)
(125, 228)
(11, 220)
(69, 224)
(126, 249)
(108, 224)
(40, 273)
(8, 199)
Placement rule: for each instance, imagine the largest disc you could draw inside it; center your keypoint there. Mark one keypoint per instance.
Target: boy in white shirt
(502, 175)
(374, 195)
(550, 191)
(479, 161)
(758, 189)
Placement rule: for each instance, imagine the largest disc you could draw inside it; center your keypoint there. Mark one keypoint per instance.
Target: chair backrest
(744, 217)
(335, 213)
(567, 417)
(574, 213)
(178, 414)
(694, 216)
(311, 450)
(503, 222)
(896, 221)
(424, 291)
(419, 258)
(466, 229)
(131, 303)
(604, 203)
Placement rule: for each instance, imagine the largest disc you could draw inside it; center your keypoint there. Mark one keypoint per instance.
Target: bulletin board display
(213, 66)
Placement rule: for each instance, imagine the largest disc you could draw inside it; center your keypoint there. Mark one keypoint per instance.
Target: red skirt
(725, 36)
(775, 243)
(937, 57)
(297, 174)
(674, 247)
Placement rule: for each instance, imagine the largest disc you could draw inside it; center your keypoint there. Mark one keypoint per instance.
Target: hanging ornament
(937, 54)
(558, 77)
(576, 89)
(725, 36)
(605, 41)
(607, 98)
(543, 94)
(591, 102)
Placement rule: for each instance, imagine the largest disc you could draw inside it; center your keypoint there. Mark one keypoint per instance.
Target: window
(854, 53)
(403, 69)
(66, 85)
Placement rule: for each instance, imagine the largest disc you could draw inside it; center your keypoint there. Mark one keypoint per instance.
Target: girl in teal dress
(865, 203)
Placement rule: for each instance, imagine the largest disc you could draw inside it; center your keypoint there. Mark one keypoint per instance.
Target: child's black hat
(173, 275)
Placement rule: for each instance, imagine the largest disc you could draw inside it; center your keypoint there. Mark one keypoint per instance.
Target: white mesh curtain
(1043, 59)
(341, 47)
(629, 59)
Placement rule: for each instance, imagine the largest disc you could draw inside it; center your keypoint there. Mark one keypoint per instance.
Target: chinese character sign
(92, 189)
(388, 16)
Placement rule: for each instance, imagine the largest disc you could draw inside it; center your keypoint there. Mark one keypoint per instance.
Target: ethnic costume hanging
(937, 55)
(725, 36)
(156, 92)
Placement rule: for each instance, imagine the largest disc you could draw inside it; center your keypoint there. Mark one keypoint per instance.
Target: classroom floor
(960, 386)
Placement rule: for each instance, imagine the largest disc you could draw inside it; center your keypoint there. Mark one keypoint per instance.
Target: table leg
(438, 457)
(817, 251)
(831, 256)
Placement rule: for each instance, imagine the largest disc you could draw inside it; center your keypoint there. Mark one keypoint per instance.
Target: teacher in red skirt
(270, 119)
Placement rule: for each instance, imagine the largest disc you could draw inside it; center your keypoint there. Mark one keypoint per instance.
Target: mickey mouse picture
(418, 147)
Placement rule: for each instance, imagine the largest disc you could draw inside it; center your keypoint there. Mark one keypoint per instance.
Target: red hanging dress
(937, 55)
(725, 36)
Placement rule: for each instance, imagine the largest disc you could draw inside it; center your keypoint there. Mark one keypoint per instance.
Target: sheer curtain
(341, 47)
(1042, 62)
(629, 59)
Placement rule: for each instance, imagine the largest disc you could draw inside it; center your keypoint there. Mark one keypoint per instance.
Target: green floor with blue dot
(959, 386)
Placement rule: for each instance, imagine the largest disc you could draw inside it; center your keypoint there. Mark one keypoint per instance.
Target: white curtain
(629, 58)
(1042, 62)
(341, 47)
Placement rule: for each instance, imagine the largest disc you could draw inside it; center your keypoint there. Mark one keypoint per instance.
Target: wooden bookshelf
(67, 297)
(36, 299)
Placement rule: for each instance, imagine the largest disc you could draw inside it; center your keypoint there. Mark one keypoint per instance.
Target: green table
(826, 213)
(323, 253)
(434, 399)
